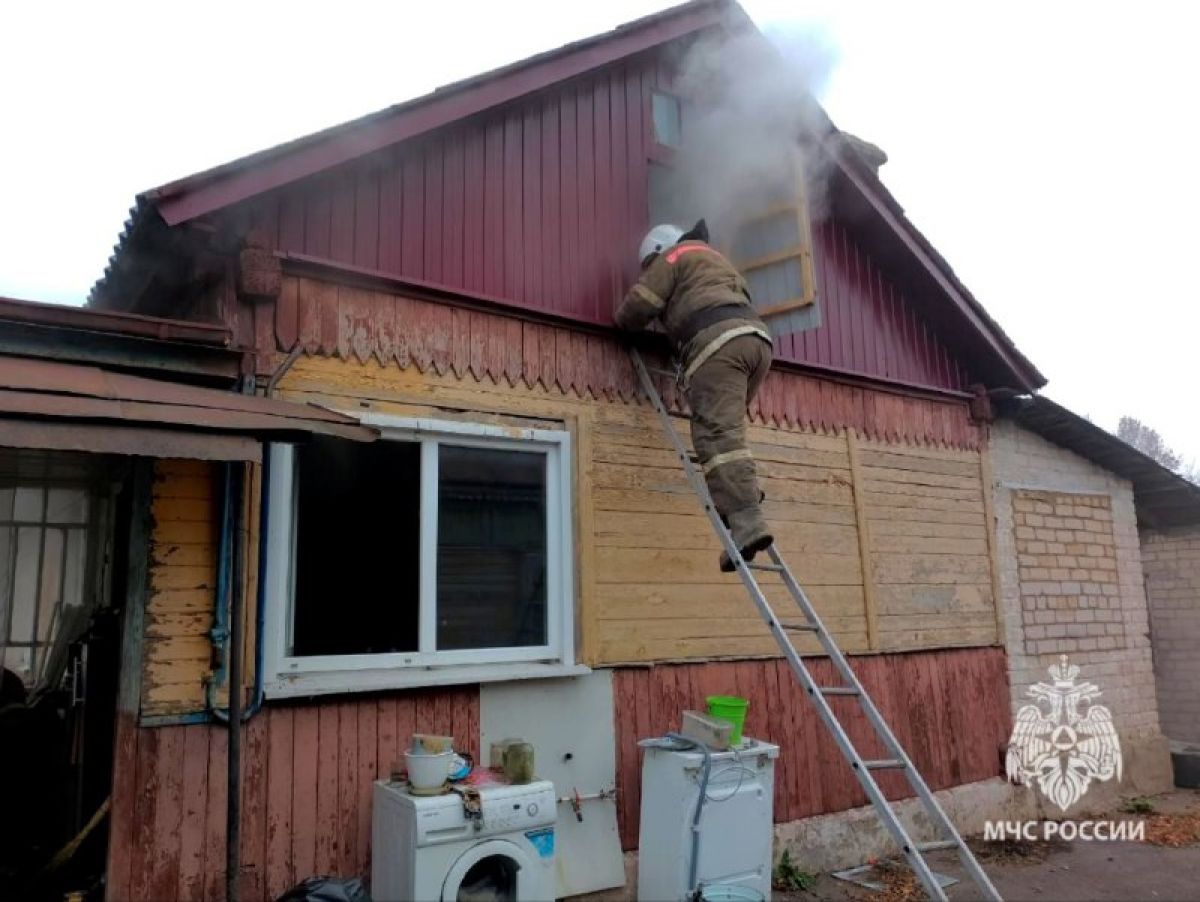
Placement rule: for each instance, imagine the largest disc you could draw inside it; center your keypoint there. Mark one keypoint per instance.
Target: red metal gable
(529, 186)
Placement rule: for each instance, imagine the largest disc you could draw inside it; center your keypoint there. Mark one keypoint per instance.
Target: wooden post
(989, 516)
(870, 607)
(587, 619)
(125, 787)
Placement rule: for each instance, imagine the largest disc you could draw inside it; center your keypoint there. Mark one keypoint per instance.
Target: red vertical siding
(307, 775)
(542, 203)
(949, 709)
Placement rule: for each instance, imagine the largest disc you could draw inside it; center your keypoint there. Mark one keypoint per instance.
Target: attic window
(667, 114)
(774, 252)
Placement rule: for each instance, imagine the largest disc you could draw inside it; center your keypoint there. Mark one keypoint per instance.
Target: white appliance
(736, 823)
(427, 848)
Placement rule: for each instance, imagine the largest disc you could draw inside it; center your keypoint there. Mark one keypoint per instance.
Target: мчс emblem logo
(1062, 749)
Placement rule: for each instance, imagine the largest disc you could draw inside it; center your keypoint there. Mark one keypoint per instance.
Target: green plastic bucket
(732, 709)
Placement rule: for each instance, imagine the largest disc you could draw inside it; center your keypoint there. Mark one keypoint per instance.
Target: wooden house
(445, 271)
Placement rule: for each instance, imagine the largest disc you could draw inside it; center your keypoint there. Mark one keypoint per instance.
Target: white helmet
(659, 239)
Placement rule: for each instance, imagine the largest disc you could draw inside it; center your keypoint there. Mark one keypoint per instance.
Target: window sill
(303, 685)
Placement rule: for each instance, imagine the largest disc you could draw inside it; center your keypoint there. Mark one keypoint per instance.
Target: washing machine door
(495, 870)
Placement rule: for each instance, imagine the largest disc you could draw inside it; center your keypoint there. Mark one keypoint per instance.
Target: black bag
(327, 889)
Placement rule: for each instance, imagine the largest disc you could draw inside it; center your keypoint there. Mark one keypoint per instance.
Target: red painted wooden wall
(307, 772)
(949, 708)
(542, 203)
(308, 769)
(359, 324)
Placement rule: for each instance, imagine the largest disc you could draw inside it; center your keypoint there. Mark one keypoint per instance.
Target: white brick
(1109, 644)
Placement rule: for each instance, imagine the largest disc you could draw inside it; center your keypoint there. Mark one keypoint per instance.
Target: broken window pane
(771, 235)
(491, 566)
(357, 565)
(776, 283)
(27, 506)
(66, 505)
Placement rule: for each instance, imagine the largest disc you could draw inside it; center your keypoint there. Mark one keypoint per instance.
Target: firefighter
(724, 353)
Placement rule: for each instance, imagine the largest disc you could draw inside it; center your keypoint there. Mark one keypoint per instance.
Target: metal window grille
(48, 540)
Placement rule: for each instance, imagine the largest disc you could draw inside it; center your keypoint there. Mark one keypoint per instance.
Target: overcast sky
(1045, 148)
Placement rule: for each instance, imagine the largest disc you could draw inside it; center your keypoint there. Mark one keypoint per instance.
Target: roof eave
(202, 193)
(1026, 376)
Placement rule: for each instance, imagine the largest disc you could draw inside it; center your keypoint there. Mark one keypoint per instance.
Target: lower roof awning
(74, 407)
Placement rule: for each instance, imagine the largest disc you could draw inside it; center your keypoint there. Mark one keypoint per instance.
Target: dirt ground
(1077, 870)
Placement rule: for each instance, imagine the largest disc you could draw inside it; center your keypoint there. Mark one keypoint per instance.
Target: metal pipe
(236, 643)
(260, 589)
(678, 742)
(600, 796)
(219, 634)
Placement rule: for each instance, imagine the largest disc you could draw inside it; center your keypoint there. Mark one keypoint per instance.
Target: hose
(674, 742)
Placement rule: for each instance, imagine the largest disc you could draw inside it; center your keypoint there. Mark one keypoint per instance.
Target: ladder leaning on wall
(810, 624)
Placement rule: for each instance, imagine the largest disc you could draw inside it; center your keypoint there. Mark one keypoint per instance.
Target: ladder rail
(910, 849)
(881, 728)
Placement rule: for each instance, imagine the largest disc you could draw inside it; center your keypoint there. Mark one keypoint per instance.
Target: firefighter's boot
(750, 533)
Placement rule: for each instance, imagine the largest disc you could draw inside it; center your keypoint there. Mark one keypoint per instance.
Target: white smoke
(749, 105)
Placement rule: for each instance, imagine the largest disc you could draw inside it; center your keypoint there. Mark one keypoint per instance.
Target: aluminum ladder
(811, 624)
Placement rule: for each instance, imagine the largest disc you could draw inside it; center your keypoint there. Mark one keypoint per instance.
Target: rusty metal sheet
(134, 440)
(107, 321)
(40, 404)
(46, 388)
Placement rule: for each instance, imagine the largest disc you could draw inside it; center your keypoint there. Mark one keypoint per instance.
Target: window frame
(288, 675)
(801, 252)
(666, 149)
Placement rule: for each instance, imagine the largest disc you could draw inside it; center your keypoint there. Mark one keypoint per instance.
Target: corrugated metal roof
(57, 393)
(1163, 498)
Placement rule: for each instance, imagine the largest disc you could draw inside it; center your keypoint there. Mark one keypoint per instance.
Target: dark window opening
(357, 558)
(491, 558)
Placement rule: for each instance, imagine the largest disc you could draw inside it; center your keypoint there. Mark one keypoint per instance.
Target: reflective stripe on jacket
(680, 283)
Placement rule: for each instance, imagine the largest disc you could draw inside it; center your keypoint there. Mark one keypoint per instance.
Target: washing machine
(736, 822)
(434, 849)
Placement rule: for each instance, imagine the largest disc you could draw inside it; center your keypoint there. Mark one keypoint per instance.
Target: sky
(1044, 148)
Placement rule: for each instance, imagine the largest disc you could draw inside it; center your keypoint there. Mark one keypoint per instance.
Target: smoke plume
(748, 102)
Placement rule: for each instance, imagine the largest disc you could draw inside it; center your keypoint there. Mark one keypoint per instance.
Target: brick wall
(1058, 591)
(1171, 559)
(1067, 559)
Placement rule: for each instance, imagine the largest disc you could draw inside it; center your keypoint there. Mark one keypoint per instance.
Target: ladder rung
(803, 627)
(886, 813)
(884, 764)
(937, 846)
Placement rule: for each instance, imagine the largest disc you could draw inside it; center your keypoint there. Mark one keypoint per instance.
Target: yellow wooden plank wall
(183, 580)
(648, 584)
(928, 543)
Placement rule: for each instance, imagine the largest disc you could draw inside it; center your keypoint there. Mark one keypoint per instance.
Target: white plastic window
(439, 554)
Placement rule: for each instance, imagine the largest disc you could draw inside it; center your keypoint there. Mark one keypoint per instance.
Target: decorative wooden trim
(401, 288)
(989, 515)
(870, 605)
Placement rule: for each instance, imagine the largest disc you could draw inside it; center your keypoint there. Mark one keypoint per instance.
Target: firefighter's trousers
(719, 392)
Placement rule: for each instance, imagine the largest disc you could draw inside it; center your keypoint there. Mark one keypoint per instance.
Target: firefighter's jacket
(702, 300)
